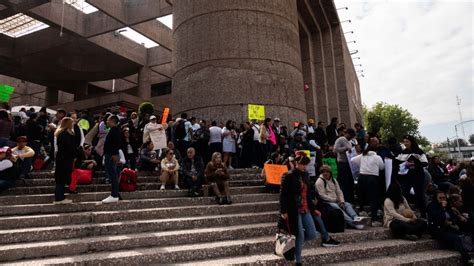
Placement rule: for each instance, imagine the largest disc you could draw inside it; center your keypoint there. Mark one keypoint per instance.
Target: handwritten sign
(256, 112)
(166, 112)
(274, 172)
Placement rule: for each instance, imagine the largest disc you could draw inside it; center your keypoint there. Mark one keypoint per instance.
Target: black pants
(451, 240)
(400, 229)
(369, 192)
(346, 181)
(192, 185)
(416, 182)
(214, 147)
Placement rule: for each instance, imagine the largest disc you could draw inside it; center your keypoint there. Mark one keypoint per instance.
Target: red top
(304, 200)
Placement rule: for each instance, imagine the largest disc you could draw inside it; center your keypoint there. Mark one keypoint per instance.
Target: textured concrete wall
(231, 53)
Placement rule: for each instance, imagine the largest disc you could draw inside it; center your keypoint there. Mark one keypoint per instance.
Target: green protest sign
(6, 89)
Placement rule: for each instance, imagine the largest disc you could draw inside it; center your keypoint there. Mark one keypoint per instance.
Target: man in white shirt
(195, 124)
(215, 140)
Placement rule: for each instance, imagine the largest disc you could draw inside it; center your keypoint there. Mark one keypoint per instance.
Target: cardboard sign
(256, 112)
(274, 172)
(166, 112)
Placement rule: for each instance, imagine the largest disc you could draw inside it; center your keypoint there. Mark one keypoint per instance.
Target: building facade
(220, 55)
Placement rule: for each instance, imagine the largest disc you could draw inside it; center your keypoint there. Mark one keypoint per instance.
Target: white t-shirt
(256, 132)
(229, 136)
(196, 127)
(216, 134)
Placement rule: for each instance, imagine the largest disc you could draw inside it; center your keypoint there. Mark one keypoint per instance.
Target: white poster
(388, 172)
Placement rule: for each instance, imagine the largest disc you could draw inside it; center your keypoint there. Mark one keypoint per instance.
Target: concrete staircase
(151, 227)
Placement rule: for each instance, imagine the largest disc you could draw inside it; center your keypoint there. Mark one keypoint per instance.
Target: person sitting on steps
(218, 177)
(330, 192)
(169, 170)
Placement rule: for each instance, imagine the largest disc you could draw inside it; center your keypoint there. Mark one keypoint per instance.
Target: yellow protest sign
(274, 172)
(256, 112)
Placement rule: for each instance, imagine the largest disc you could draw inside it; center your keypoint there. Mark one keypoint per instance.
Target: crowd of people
(332, 168)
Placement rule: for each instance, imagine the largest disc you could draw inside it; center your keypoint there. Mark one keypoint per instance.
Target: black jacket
(186, 165)
(113, 142)
(320, 136)
(290, 196)
(437, 218)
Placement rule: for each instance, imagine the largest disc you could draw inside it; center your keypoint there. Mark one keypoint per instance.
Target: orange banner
(166, 112)
(274, 172)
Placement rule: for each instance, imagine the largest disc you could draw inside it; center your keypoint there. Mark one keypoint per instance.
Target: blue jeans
(306, 231)
(112, 173)
(349, 213)
(319, 221)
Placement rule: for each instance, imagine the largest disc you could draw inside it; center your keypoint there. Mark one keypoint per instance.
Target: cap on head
(276, 119)
(152, 117)
(310, 121)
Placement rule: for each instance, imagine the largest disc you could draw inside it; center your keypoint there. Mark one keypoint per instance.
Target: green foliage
(392, 121)
(146, 108)
(471, 139)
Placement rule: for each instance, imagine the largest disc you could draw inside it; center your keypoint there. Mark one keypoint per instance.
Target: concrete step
(170, 238)
(128, 241)
(98, 196)
(49, 189)
(244, 248)
(429, 257)
(49, 180)
(49, 174)
(318, 256)
(14, 222)
(53, 233)
(49, 208)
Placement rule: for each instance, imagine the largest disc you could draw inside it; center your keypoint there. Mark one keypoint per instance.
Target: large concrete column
(51, 96)
(320, 76)
(308, 77)
(232, 53)
(144, 83)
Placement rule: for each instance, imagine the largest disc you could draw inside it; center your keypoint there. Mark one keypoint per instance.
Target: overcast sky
(417, 54)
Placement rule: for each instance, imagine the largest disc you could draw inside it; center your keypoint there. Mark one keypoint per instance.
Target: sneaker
(359, 226)
(230, 167)
(361, 220)
(64, 201)
(176, 187)
(376, 224)
(411, 237)
(162, 187)
(228, 200)
(331, 243)
(110, 199)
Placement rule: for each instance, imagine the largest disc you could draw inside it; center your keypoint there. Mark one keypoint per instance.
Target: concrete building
(219, 56)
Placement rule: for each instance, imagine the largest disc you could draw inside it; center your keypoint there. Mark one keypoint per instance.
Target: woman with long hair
(65, 155)
(411, 163)
(217, 175)
(296, 204)
(399, 217)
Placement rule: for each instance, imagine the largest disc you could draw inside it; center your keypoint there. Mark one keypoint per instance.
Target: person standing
(65, 155)
(346, 180)
(183, 133)
(156, 133)
(412, 162)
(296, 204)
(228, 143)
(331, 131)
(111, 157)
(320, 135)
(370, 165)
(215, 139)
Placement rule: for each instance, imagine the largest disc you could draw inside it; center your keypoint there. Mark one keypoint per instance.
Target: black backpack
(180, 132)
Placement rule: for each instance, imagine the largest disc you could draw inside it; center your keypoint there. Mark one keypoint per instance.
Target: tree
(471, 139)
(392, 121)
(146, 108)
